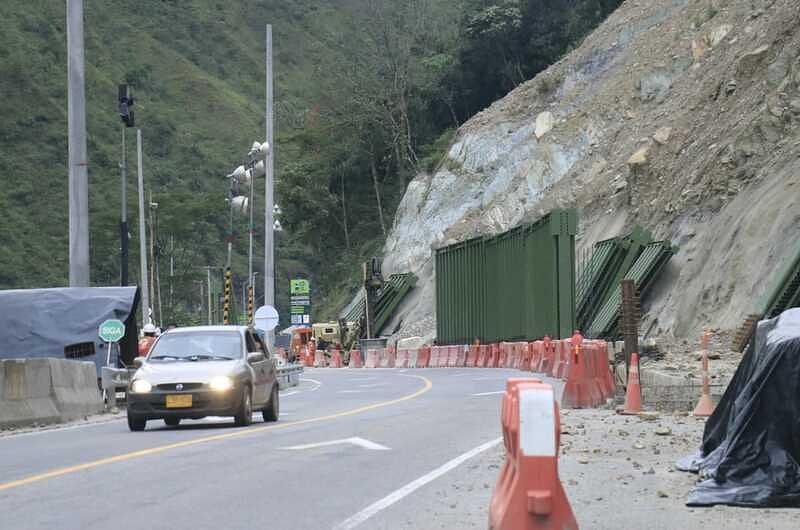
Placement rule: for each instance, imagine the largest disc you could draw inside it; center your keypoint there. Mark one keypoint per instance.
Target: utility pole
(152, 255)
(125, 101)
(208, 273)
(123, 222)
(269, 268)
(142, 235)
(171, 268)
(78, 164)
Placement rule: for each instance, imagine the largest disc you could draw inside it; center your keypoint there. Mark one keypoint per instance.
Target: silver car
(194, 372)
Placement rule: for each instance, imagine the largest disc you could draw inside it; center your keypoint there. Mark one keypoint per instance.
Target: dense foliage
(368, 93)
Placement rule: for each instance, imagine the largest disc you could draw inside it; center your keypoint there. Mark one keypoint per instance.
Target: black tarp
(43, 322)
(750, 455)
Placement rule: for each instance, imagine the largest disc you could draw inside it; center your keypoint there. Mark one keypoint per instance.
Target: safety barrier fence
(582, 364)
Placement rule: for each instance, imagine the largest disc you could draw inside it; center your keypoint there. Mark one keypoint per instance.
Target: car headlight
(140, 386)
(221, 383)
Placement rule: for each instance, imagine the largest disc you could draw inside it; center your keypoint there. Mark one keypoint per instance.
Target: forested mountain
(368, 93)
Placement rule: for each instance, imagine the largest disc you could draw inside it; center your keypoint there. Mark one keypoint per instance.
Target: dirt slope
(678, 115)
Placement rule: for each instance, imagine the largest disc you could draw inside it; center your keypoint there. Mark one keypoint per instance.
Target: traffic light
(125, 104)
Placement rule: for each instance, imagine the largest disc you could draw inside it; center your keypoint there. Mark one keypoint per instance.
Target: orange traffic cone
(705, 407)
(633, 393)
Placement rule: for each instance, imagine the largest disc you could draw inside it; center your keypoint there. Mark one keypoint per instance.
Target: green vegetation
(368, 93)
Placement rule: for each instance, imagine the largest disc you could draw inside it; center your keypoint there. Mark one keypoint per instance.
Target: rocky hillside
(679, 115)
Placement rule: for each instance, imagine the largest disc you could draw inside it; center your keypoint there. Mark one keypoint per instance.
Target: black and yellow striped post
(226, 309)
(250, 304)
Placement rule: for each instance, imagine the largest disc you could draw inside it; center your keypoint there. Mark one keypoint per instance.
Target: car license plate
(179, 401)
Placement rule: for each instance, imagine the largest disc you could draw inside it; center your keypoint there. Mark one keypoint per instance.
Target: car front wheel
(244, 416)
(136, 423)
(272, 410)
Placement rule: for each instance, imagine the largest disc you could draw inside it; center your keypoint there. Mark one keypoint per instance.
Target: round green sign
(111, 330)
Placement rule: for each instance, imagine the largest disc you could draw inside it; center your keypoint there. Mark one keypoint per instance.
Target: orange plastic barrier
(319, 359)
(581, 389)
(461, 356)
(424, 357)
(452, 356)
(502, 357)
(562, 359)
(402, 359)
(434, 357)
(444, 356)
(307, 357)
(472, 356)
(522, 355)
(355, 359)
(548, 356)
(373, 359)
(494, 356)
(603, 372)
(483, 353)
(528, 494)
(529, 353)
(387, 358)
(336, 359)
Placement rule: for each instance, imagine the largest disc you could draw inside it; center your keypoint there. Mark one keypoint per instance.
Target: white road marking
(372, 385)
(318, 383)
(351, 391)
(293, 392)
(360, 442)
(409, 488)
(489, 393)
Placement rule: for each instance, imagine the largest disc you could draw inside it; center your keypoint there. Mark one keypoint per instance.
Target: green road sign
(299, 287)
(111, 330)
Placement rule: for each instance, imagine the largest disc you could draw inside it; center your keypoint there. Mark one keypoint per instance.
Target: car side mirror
(138, 361)
(255, 357)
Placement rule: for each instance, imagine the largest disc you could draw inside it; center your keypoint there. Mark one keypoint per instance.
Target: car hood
(186, 371)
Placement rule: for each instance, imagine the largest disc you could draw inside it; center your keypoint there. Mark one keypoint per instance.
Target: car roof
(189, 329)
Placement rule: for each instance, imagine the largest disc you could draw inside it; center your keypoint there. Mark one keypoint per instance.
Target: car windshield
(197, 346)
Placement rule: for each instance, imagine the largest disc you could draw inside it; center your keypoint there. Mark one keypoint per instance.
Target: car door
(261, 386)
(272, 368)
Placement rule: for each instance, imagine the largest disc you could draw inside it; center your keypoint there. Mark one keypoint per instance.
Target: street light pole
(269, 269)
(252, 205)
(142, 235)
(78, 172)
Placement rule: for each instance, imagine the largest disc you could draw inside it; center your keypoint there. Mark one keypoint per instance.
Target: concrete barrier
(47, 391)
(74, 385)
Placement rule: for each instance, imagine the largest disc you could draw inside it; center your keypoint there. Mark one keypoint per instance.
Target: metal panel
(643, 273)
(516, 285)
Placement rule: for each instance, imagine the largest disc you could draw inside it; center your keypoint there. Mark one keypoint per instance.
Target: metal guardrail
(289, 375)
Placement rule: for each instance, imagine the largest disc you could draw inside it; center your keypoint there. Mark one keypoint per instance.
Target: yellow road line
(196, 441)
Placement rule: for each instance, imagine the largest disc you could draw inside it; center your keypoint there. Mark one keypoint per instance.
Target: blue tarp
(43, 322)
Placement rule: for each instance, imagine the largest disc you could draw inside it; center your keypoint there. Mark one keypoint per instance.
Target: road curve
(406, 429)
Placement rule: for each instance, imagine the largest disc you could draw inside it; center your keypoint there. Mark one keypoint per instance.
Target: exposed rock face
(679, 117)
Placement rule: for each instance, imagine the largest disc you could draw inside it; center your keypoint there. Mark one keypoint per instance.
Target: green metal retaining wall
(643, 272)
(516, 285)
(389, 297)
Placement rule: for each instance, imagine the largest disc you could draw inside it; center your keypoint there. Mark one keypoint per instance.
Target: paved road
(209, 474)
